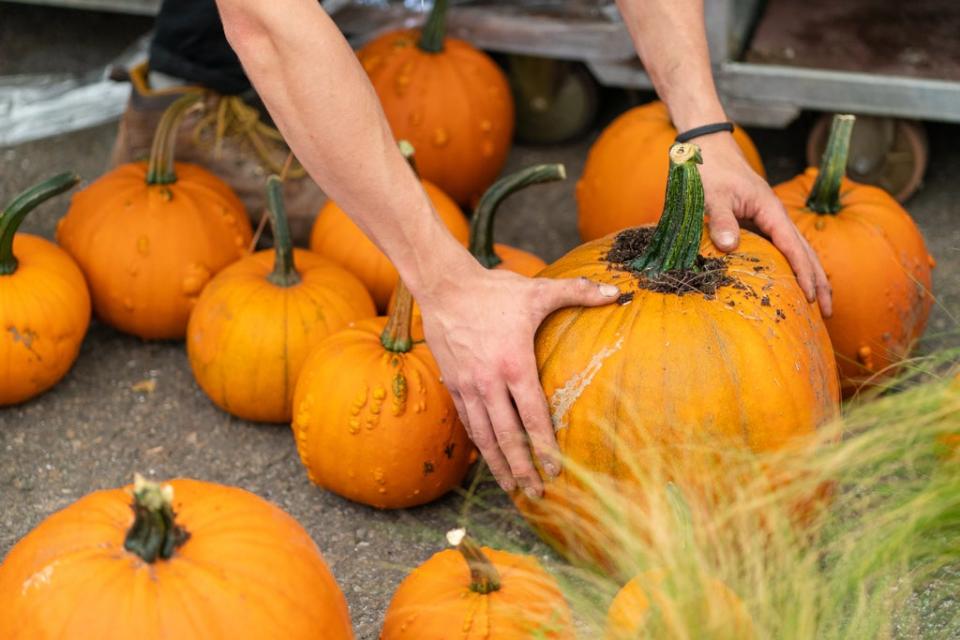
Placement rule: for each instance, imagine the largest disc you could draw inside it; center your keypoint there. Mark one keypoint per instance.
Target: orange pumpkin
(257, 320)
(44, 303)
(447, 98)
(477, 594)
(705, 353)
(624, 179)
(149, 236)
(188, 560)
(874, 256)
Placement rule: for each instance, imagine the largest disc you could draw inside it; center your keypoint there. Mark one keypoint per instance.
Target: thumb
(724, 230)
(576, 292)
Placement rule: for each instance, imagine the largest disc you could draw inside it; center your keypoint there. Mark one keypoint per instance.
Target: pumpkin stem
(825, 194)
(284, 270)
(396, 335)
(676, 240)
(154, 533)
(160, 167)
(484, 577)
(481, 225)
(435, 28)
(17, 210)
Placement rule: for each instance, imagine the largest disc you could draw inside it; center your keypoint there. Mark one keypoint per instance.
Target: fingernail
(726, 239)
(532, 493)
(507, 485)
(552, 470)
(609, 291)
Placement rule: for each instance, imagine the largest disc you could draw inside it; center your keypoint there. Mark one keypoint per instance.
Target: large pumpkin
(187, 560)
(705, 353)
(149, 236)
(625, 177)
(474, 593)
(258, 319)
(874, 256)
(447, 98)
(44, 303)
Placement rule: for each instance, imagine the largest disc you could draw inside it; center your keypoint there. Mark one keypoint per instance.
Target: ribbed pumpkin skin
(148, 251)
(336, 237)
(44, 314)
(454, 106)
(641, 385)
(625, 177)
(248, 338)
(248, 571)
(378, 427)
(880, 271)
(435, 602)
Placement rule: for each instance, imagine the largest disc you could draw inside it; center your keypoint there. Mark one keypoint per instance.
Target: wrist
(442, 266)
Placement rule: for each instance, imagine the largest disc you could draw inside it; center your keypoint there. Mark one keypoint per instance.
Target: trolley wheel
(887, 152)
(556, 99)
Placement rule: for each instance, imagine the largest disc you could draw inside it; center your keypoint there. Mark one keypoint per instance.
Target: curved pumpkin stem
(154, 533)
(284, 270)
(435, 28)
(160, 167)
(676, 240)
(481, 225)
(484, 577)
(16, 211)
(396, 336)
(825, 194)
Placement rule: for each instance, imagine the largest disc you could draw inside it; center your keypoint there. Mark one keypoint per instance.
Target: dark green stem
(154, 534)
(435, 28)
(160, 168)
(676, 240)
(484, 577)
(284, 270)
(16, 211)
(825, 194)
(481, 225)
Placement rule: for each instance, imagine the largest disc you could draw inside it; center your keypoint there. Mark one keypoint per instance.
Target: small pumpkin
(624, 178)
(258, 319)
(150, 235)
(475, 593)
(449, 99)
(187, 559)
(705, 353)
(874, 256)
(44, 303)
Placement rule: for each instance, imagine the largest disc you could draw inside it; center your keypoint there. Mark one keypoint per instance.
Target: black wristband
(706, 129)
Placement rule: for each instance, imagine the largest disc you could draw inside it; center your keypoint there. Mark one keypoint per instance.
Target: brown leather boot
(229, 138)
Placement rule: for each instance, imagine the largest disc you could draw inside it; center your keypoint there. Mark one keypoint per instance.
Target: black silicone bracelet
(706, 129)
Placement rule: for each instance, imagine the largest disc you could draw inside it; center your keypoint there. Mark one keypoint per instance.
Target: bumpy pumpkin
(705, 353)
(258, 319)
(624, 179)
(149, 236)
(447, 98)
(188, 560)
(474, 593)
(44, 303)
(874, 256)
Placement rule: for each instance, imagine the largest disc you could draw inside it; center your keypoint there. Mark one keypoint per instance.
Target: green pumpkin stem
(481, 225)
(154, 534)
(484, 577)
(284, 270)
(16, 211)
(435, 28)
(676, 240)
(825, 194)
(160, 167)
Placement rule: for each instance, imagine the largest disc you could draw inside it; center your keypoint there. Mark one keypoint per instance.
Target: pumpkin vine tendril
(17, 210)
(435, 28)
(284, 269)
(484, 577)
(160, 166)
(825, 194)
(154, 533)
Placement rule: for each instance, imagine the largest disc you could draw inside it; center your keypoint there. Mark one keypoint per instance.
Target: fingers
(531, 405)
(822, 283)
(777, 226)
(573, 292)
(481, 432)
(724, 229)
(513, 441)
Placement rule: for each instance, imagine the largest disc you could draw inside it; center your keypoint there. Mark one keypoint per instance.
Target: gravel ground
(93, 430)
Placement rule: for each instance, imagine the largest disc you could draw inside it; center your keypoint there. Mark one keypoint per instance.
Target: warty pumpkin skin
(148, 236)
(624, 178)
(477, 593)
(667, 382)
(449, 99)
(44, 303)
(189, 560)
(875, 258)
(258, 319)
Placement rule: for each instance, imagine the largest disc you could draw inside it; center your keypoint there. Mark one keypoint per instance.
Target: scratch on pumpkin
(39, 579)
(563, 398)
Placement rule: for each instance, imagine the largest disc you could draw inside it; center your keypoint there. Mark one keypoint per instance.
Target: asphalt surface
(94, 429)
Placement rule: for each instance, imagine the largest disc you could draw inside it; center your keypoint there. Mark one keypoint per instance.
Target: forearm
(321, 100)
